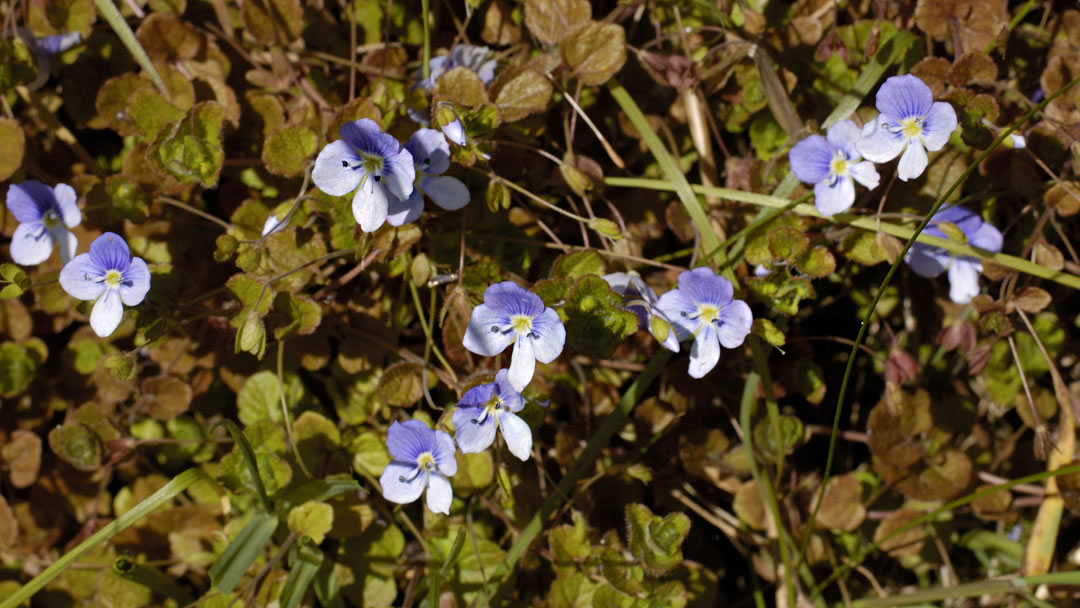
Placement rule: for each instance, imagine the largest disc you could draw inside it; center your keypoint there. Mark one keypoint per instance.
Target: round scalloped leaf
(594, 51)
(76, 445)
(401, 384)
(905, 543)
(792, 434)
(312, 519)
(786, 243)
(596, 322)
(286, 151)
(749, 506)
(461, 86)
(22, 457)
(17, 369)
(817, 262)
(12, 147)
(656, 542)
(520, 91)
(168, 396)
(475, 472)
(842, 507)
(995, 507)
(549, 20)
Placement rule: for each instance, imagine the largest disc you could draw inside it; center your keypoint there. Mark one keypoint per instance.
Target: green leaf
(595, 51)
(570, 545)
(596, 322)
(251, 337)
(519, 92)
(259, 398)
(17, 369)
(151, 112)
(47, 18)
(475, 472)
(766, 136)
(312, 519)
(369, 452)
(764, 329)
(816, 262)
(549, 20)
(574, 591)
(461, 86)
(191, 149)
(12, 147)
(17, 63)
(656, 542)
(497, 196)
(401, 384)
(786, 243)
(791, 435)
(577, 264)
(76, 445)
(304, 563)
(302, 315)
(242, 551)
(17, 281)
(121, 366)
(287, 150)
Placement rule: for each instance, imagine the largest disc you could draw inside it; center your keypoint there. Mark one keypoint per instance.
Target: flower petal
(484, 335)
(455, 132)
(334, 172)
(439, 494)
(473, 436)
(367, 137)
(677, 307)
(522, 364)
(406, 441)
(430, 151)
(939, 125)
(735, 323)
(399, 212)
(913, 162)
(517, 434)
(864, 173)
(511, 398)
(66, 203)
(445, 453)
(446, 191)
(878, 144)
(138, 275)
(844, 134)
(551, 335)
(272, 225)
(401, 483)
(80, 278)
(838, 197)
(31, 244)
(370, 205)
(810, 159)
(704, 286)
(399, 173)
(903, 97)
(29, 200)
(927, 261)
(986, 237)
(512, 299)
(964, 280)
(705, 352)
(107, 313)
(110, 252)
(67, 242)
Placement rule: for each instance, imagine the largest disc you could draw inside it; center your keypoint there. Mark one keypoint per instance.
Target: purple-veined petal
(939, 124)
(66, 204)
(677, 307)
(81, 278)
(620, 282)
(406, 441)
(965, 219)
(334, 172)
(838, 197)
(366, 137)
(440, 495)
(446, 191)
(485, 334)
(138, 275)
(511, 398)
(31, 244)
(107, 313)
(810, 159)
(912, 162)
(522, 363)
(399, 173)
(878, 144)
(865, 173)
(704, 286)
(1016, 141)
(964, 280)
(986, 237)
(551, 336)
(735, 323)
(927, 261)
(399, 212)
(430, 151)
(29, 200)
(370, 205)
(445, 453)
(512, 299)
(402, 482)
(67, 242)
(517, 434)
(903, 97)
(110, 252)
(472, 435)
(705, 352)
(455, 132)
(671, 341)
(844, 134)
(478, 396)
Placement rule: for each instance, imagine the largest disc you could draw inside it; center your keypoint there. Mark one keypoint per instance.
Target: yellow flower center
(426, 461)
(708, 313)
(113, 278)
(839, 165)
(522, 324)
(911, 127)
(373, 164)
(51, 219)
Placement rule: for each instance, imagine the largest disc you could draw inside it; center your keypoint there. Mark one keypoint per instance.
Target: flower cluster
(108, 275)
(388, 180)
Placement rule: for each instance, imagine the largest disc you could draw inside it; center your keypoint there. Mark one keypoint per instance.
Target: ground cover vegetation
(539, 303)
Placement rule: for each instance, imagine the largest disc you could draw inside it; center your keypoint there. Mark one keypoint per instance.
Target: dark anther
(344, 163)
(534, 335)
(494, 329)
(683, 313)
(401, 479)
(378, 177)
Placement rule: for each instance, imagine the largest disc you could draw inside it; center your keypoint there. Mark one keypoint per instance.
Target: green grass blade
(249, 459)
(990, 587)
(234, 562)
(178, 484)
(305, 559)
(152, 579)
(108, 11)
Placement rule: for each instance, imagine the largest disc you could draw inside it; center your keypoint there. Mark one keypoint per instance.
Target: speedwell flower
(641, 300)
(422, 458)
(369, 161)
(110, 277)
(832, 164)
(47, 46)
(702, 307)
(272, 225)
(928, 261)
(514, 315)
(431, 157)
(479, 59)
(45, 214)
(487, 406)
(909, 119)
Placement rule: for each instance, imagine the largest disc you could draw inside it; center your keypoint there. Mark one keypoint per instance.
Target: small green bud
(578, 181)
(659, 328)
(606, 227)
(226, 247)
(251, 338)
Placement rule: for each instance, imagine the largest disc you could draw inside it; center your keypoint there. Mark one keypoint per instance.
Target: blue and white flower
(479, 59)
(513, 315)
(641, 300)
(833, 164)
(929, 261)
(702, 308)
(45, 215)
(488, 407)
(272, 225)
(910, 123)
(108, 276)
(370, 162)
(431, 157)
(422, 458)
